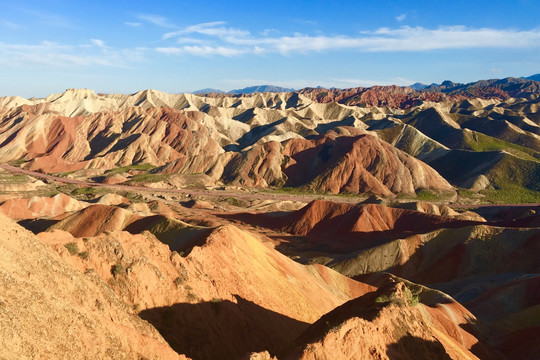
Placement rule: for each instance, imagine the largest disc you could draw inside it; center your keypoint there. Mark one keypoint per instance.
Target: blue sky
(181, 46)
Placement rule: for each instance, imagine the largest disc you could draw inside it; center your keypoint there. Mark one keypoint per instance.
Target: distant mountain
(260, 88)
(535, 77)
(246, 90)
(208, 91)
(418, 86)
(492, 88)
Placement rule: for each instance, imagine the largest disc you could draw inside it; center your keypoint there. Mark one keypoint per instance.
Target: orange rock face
(50, 310)
(392, 323)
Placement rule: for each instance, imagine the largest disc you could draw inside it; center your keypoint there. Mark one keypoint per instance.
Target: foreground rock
(50, 310)
(399, 321)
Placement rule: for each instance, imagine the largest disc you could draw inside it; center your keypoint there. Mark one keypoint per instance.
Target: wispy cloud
(132, 24)
(156, 20)
(214, 28)
(401, 17)
(201, 50)
(54, 54)
(9, 24)
(98, 42)
(405, 38)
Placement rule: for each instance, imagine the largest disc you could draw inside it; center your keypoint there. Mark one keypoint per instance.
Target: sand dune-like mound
(440, 210)
(38, 206)
(53, 311)
(96, 219)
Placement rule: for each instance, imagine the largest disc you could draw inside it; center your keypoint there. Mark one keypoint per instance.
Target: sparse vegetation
(411, 297)
(124, 169)
(148, 178)
(87, 192)
(482, 142)
(72, 248)
(17, 162)
(84, 255)
(117, 269)
(8, 178)
(511, 194)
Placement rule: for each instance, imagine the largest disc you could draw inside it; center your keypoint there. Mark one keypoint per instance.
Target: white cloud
(401, 17)
(156, 20)
(132, 24)
(98, 42)
(201, 50)
(214, 28)
(410, 39)
(169, 50)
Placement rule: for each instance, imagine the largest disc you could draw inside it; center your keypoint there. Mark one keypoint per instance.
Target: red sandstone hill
(337, 227)
(55, 143)
(335, 164)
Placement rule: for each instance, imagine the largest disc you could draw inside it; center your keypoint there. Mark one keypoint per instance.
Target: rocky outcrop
(400, 320)
(50, 310)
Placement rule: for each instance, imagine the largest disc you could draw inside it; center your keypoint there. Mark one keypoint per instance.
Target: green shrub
(117, 269)
(179, 280)
(72, 248)
(84, 255)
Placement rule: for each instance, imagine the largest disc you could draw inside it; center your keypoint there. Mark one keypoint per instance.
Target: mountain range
(375, 223)
(246, 90)
(416, 86)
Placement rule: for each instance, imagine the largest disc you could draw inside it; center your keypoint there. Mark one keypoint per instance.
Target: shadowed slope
(222, 329)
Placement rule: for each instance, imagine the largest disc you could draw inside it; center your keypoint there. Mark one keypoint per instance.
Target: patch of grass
(121, 170)
(511, 194)
(64, 174)
(17, 162)
(72, 248)
(426, 195)
(8, 178)
(84, 255)
(148, 178)
(132, 196)
(232, 201)
(481, 142)
(87, 192)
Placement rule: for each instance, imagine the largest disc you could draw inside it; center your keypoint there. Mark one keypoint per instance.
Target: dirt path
(246, 195)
